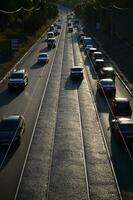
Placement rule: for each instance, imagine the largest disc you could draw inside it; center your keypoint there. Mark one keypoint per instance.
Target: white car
(43, 58)
(18, 79)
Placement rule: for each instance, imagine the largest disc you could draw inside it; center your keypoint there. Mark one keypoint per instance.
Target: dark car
(18, 79)
(90, 51)
(70, 29)
(122, 128)
(99, 63)
(11, 129)
(96, 55)
(76, 73)
(81, 33)
(107, 72)
(107, 86)
(51, 42)
(56, 32)
(121, 107)
(58, 26)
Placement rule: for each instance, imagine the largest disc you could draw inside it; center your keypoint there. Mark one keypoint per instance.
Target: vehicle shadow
(37, 65)
(101, 102)
(44, 50)
(121, 164)
(6, 154)
(7, 96)
(92, 71)
(72, 84)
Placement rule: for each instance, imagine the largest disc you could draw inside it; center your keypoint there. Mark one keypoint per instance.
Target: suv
(51, 42)
(122, 128)
(76, 72)
(121, 107)
(18, 79)
(11, 129)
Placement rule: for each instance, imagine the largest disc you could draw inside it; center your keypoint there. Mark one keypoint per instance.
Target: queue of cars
(13, 127)
(121, 123)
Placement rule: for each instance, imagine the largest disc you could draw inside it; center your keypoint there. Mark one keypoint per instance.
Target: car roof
(22, 71)
(88, 38)
(51, 39)
(12, 117)
(77, 66)
(99, 60)
(43, 53)
(121, 99)
(50, 32)
(123, 119)
(93, 48)
(108, 69)
(106, 80)
(97, 52)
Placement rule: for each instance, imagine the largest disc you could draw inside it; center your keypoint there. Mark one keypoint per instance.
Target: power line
(22, 9)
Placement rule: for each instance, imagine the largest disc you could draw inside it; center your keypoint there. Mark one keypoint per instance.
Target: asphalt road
(122, 158)
(68, 158)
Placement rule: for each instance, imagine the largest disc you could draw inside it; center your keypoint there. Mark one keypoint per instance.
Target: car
(87, 48)
(56, 32)
(107, 86)
(122, 129)
(69, 23)
(11, 129)
(51, 42)
(121, 107)
(99, 63)
(81, 39)
(87, 41)
(96, 55)
(18, 79)
(50, 34)
(51, 27)
(58, 26)
(90, 51)
(107, 72)
(76, 72)
(70, 29)
(81, 33)
(43, 58)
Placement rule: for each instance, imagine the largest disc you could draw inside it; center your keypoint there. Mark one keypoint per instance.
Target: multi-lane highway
(66, 152)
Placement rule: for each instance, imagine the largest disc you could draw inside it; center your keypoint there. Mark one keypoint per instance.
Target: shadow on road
(72, 84)
(7, 96)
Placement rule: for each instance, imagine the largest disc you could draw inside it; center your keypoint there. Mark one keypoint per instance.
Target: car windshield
(124, 104)
(127, 128)
(17, 75)
(107, 83)
(43, 55)
(98, 56)
(8, 125)
(76, 69)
